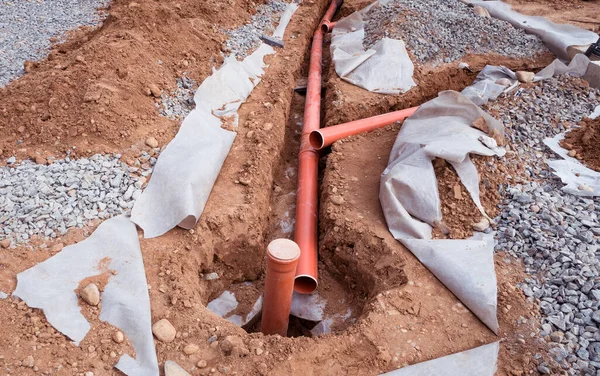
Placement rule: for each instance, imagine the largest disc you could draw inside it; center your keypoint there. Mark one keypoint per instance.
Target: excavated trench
(358, 260)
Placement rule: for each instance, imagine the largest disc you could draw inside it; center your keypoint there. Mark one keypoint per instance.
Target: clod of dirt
(5, 243)
(233, 345)
(155, 90)
(191, 349)
(164, 330)
(583, 143)
(152, 142)
(90, 294)
(174, 369)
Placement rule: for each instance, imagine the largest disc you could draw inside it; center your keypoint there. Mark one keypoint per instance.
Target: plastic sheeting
(557, 37)
(51, 285)
(410, 199)
(189, 166)
(480, 361)
(385, 68)
(579, 179)
(486, 87)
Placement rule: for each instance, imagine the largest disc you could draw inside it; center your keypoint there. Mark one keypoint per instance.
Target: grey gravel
(549, 230)
(26, 27)
(244, 39)
(48, 200)
(444, 31)
(178, 103)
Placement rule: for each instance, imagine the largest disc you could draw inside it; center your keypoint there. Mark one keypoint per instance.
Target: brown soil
(585, 143)
(581, 13)
(402, 314)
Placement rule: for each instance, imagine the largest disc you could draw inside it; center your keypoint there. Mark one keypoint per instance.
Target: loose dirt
(581, 13)
(584, 143)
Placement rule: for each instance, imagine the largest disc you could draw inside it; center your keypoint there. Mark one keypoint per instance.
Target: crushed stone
(179, 102)
(557, 235)
(26, 28)
(437, 32)
(47, 200)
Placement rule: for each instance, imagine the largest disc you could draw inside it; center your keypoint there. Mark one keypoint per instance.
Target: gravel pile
(444, 31)
(178, 103)
(243, 40)
(555, 234)
(47, 200)
(27, 26)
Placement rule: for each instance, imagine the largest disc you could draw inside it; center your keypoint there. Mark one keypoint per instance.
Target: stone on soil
(233, 345)
(164, 330)
(90, 294)
(191, 349)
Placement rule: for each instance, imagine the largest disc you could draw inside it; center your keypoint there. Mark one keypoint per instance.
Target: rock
(152, 142)
(88, 373)
(233, 345)
(535, 208)
(57, 247)
(174, 369)
(481, 11)
(337, 199)
(482, 225)
(211, 276)
(118, 336)
(191, 349)
(201, 364)
(250, 134)
(11, 160)
(572, 153)
(268, 126)
(457, 191)
(154, 90)
(596, 316)
(40, 160)
(5, 243)
(90, 294)
(92, 96)
(28, 66)
(525, 77)
(80, 59)
(258, 351)
(543, 370)
(164, 330)
(586, 188)
(28, 362)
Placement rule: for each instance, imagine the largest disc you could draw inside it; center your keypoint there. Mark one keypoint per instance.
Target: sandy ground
(91, 94)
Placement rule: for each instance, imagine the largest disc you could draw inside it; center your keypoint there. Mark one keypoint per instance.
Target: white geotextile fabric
(480, 361)
(410, 199)
(572, 172)
(187, 169)
(51, 286)
(557, 37)
(284, 20)
(485, 86)
(385, 68)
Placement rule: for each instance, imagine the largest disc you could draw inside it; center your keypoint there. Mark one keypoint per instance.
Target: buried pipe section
(305, 234)
(321, 138)
(282, 259)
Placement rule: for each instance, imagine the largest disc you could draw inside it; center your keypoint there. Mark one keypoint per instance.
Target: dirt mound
(583, 143)
(92, 93)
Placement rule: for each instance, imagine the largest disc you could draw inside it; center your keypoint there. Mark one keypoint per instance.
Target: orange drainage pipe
(306, 235)
(321, 138)
(282, 259)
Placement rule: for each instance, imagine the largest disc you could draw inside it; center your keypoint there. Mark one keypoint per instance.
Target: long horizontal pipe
(306, 232)
(321, 138)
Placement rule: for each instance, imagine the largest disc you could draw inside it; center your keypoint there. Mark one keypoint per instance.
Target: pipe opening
(316, 140)
(325, 27)
(305, 284)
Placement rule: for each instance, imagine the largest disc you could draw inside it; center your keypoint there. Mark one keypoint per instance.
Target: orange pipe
(282, 259)
(327, 26)
(321, 138)
(306, 234)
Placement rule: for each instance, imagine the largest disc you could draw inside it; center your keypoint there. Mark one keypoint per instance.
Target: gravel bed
(555, 234)
(26, 27)
(243, 40)
(178, 103)
(48, 200)
(444, 31)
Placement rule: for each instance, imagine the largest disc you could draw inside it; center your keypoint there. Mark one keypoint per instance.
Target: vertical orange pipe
(306, 235)
(282, 259)
(321, 138)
